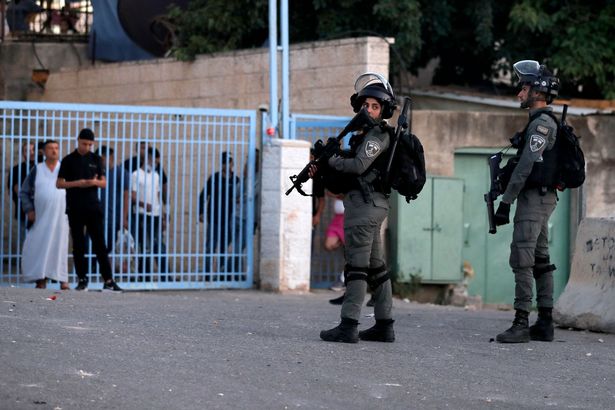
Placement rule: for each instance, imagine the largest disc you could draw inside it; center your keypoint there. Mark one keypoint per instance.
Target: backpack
(407, 175)
(570, 157)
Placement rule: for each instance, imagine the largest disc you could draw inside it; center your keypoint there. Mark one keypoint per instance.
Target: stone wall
(321, 78)
(19, 59)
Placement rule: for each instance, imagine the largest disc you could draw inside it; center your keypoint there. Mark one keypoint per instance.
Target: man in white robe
(45, 249)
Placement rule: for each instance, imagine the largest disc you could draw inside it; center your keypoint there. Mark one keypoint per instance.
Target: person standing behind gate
(116, 196)
(532, 184)
(133, 164)
(218, 194)
(17, 176)
(46, 245)
(81, 174)
(365, 208)
(147, 229)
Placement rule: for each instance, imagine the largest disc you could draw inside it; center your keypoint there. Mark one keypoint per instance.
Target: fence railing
(202, 236)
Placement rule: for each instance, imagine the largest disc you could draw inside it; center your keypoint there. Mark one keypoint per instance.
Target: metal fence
(203, 237)
(326, 265)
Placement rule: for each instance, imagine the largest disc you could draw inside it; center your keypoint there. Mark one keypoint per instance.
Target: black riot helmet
(538, 77)
(375, 86)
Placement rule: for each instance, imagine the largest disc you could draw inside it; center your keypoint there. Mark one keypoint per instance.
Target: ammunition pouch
(544, 174)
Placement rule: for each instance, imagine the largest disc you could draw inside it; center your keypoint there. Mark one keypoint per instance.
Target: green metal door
(488, 254)
(426, 234)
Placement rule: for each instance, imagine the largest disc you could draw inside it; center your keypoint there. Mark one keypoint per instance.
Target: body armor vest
(544, 173)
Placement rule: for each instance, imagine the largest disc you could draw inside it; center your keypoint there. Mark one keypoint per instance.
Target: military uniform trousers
(529, 250)
(365, 255)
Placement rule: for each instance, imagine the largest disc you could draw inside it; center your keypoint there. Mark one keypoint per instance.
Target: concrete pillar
(285, 220)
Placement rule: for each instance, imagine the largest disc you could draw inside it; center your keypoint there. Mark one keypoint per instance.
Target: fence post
(285, 252)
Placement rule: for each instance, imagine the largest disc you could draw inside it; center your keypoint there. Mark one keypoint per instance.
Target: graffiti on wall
(599, 252)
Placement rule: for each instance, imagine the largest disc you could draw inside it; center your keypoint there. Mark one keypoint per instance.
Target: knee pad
(354, 273)
(543, 265)
(377, 276)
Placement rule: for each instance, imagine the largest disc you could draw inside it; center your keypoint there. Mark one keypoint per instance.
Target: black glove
(318, 149)
(332, 147)
(501, 216)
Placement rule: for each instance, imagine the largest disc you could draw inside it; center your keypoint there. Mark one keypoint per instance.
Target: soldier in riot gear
(366, 207)
(532, 184)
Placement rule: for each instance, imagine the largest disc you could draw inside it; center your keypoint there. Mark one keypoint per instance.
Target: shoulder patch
(372, 148)
(542, 129)
(537, 142)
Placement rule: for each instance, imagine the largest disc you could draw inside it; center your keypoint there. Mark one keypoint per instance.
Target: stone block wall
(19, 59)
(321, 78)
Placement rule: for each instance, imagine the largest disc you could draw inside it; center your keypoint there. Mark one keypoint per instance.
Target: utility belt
(369, 183)
(359, 185)
(542, 190)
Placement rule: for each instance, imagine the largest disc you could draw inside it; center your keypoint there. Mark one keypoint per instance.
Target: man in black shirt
(218, 197)
(81, 174)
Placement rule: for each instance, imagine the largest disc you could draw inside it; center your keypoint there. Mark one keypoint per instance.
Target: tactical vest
(544, 173)
(338, 182)
(372, 175)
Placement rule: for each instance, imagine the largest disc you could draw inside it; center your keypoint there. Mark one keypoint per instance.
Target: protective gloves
(501, 216)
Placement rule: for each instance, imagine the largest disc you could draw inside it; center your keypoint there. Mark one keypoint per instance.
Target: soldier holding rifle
(531, 181)
(366, 206)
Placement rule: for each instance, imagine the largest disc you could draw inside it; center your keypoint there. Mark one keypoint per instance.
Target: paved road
(254, 350)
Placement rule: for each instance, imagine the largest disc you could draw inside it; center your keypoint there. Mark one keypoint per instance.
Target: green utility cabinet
(488, 254)
(426, 234)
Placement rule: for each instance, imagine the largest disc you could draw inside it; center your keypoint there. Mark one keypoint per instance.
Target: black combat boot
(543, 328)
(338, 300)
(345, 332)
(518, 332)
(382, 331)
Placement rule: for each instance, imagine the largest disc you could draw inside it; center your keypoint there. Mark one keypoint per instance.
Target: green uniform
(529, 250)
(365, 210)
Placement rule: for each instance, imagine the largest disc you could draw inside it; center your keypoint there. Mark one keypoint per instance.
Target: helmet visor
(526, 68)
(371, 79)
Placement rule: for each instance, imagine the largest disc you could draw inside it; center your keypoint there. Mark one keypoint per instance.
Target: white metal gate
(204, 236)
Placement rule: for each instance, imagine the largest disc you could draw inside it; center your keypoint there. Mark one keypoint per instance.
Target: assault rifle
(322, 152)
(494, 190)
